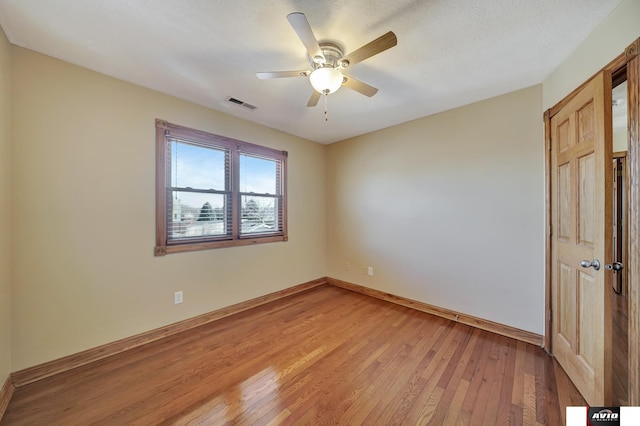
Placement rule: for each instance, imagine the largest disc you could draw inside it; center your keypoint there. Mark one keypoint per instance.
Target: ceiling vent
(240, 103)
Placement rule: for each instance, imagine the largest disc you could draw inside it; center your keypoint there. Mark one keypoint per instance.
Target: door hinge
(550, 316)
(549, 144)
(550, 230)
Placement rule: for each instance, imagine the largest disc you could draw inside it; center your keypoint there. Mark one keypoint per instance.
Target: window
(213, 191)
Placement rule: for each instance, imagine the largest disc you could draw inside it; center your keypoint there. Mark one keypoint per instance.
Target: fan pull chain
(326, 117)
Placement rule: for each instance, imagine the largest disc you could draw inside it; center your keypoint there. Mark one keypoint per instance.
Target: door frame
(629, 60)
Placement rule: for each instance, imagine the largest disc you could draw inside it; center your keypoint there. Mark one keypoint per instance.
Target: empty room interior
(449, 238)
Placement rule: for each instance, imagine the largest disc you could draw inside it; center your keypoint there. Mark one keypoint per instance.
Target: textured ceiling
(449, 52)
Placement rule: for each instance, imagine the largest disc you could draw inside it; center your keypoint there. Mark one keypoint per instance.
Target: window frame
(165, 132)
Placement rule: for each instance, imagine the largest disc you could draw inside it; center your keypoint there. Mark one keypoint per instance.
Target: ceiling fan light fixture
(326, 80)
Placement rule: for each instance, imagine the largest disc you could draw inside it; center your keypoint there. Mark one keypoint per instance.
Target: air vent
(240, 103)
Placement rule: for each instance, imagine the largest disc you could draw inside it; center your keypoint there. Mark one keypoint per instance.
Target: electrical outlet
(177, 297)
(347, 266)
(370, 270)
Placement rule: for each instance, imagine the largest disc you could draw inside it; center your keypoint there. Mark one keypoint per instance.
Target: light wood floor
(324, 356)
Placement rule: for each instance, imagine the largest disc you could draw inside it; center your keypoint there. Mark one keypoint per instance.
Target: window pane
(197, 215)
(259, 215)
(215, 192)
(258, 175)
(194, 166)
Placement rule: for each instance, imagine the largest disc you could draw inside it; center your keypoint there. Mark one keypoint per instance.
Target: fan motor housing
(332, 55)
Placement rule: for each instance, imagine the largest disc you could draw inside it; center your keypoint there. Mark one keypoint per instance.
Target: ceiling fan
(328, 62)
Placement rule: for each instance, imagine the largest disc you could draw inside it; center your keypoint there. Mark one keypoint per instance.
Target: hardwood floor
(620, 377)
(323, 356)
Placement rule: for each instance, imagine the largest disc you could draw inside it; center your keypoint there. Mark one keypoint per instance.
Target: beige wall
(5, 209)
(447, 209)
(83, 207)
(620, 141)
(606, 42)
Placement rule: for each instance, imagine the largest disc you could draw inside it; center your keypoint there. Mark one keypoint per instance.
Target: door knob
(616, 266)
(595, 264)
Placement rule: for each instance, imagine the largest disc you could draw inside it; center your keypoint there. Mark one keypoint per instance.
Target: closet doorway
(619, 280)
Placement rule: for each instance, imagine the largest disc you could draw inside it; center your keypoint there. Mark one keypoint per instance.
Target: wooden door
(581, 217)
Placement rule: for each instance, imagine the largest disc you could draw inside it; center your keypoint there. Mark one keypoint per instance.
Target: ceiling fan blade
(301, 26)
(280, 74)
(313, 100)
(359, 86)
(374, 47)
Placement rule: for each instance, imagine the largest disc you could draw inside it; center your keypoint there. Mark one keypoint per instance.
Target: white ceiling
(449, 53)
